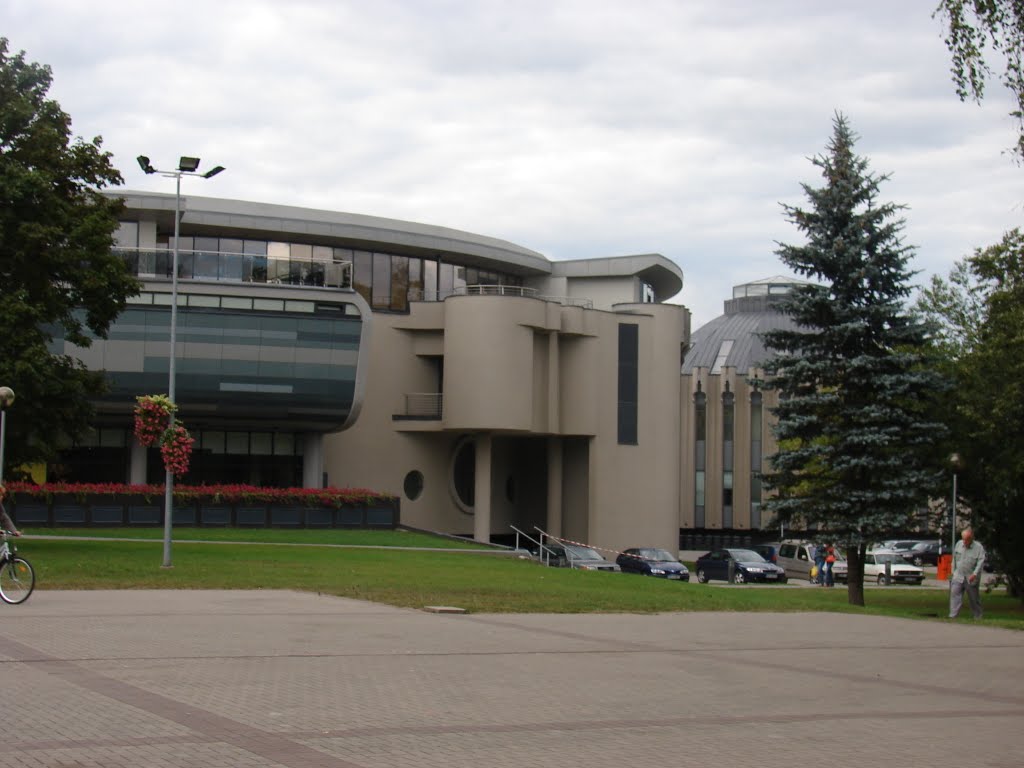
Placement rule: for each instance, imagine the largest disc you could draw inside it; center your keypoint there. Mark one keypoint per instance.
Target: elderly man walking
(968, 560)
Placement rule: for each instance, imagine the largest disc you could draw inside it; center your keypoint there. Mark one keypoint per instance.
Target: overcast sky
(576, 128)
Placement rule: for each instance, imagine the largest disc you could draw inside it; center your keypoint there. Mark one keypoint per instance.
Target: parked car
(797, 559)
(901, 572)
(559, 555)
(650, 561)
(898, 545)
(926, 553)
(769, 552)
(747, 565)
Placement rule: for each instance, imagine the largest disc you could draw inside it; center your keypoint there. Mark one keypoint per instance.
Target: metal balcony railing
(424, 405)
(236, 267)
(500, 290)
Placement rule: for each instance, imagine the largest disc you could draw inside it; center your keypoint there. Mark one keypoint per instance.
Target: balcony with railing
(422, 406)
(236, 267)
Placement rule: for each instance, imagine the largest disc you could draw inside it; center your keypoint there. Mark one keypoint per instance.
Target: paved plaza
(274, 678)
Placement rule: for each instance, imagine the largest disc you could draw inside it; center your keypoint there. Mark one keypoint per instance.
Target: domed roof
(733, 340)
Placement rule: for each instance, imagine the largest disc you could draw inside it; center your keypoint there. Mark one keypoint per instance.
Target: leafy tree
(853, 439)
(58, 276)
(973, 26)
(985, 411)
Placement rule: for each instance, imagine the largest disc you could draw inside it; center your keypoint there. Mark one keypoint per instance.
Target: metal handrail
(424, 404)
(236, 267)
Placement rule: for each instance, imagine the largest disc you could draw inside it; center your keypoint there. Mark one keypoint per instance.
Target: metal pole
(6, 400)
(952, 543)
(169, 476)
(3, 438)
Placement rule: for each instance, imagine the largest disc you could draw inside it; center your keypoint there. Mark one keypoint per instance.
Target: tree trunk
(855, 574)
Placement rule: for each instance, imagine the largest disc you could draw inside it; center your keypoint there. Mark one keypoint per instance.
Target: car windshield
(882, 559)
(582, 553)
(746, 556)
(657, 555)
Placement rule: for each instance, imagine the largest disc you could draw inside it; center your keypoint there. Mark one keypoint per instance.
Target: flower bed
(335, 498)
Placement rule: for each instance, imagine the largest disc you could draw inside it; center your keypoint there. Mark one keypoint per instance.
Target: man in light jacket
(968, 560)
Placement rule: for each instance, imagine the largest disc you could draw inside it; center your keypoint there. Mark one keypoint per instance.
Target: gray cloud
(570, 127)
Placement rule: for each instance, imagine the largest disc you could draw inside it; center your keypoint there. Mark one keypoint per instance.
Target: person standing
(968, 560)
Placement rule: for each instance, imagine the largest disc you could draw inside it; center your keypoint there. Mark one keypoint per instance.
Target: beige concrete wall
(503, 376)
(634, 488)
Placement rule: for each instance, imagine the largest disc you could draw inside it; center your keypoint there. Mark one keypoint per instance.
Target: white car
(900, 571)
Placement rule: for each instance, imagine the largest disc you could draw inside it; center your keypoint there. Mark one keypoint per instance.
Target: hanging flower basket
(176, 449)
(153, 416)
(155, 425)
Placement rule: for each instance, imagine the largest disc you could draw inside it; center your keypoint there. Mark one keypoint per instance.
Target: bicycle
(17, 578)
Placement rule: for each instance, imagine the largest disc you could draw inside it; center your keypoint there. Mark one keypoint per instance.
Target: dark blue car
(746, 566)
(650, 561)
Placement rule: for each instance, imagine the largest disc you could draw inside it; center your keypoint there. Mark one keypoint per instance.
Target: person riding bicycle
(5, 519)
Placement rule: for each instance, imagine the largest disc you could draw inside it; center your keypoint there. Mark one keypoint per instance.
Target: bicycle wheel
(17, 580)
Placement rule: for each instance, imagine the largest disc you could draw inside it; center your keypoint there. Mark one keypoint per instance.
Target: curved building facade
(487, 386)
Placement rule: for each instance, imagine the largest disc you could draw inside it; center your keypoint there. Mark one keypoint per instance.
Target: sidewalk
(270, 678)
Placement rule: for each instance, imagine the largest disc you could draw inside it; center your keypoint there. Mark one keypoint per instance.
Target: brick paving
(272, 678)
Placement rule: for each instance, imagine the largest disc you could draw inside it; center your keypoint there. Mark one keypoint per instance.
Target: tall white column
(313, 460)
(482, 490)
(137, 464)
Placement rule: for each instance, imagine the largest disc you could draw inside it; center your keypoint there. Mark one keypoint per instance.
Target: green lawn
(416, 578)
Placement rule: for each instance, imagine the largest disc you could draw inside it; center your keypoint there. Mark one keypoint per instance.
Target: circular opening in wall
(413, 485)
(464, 474)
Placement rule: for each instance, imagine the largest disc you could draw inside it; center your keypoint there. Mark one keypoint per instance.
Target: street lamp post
(6, 399)
(955, 463)
(187, 166)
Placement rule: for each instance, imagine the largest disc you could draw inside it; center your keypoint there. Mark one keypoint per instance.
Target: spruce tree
(851, 425)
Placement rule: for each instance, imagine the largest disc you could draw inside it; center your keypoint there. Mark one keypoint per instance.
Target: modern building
(489, 387)
(726, 421)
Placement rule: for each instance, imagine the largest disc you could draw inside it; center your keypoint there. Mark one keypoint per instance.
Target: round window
(413, 485)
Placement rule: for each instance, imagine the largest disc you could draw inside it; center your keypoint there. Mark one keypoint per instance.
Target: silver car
(797, 559)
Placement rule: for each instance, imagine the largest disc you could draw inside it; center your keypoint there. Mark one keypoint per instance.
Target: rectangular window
(363, 274)
(445, 280)
(381, 281)
(429, 280)
(629, 382)
(723, 354)
(400, 283)
(415, 279)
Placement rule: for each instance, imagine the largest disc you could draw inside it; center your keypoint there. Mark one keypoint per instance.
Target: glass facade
(387, 281)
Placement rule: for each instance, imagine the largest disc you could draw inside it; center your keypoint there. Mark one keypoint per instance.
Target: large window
(629, 382)
(756, 412)
(728, 429)
(700, 421)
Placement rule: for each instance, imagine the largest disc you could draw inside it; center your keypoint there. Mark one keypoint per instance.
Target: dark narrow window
(728, 423)
(629, 382)
(362, 266)
(756, 405)
(700, 421)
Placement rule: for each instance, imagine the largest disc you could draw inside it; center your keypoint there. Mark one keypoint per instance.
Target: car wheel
(701, 576)
(738, 577)
(881, 579)
(918, 560)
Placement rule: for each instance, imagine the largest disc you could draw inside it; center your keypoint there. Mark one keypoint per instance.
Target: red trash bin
(945, 567)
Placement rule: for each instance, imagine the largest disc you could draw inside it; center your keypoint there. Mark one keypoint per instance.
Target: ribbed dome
(751, 312)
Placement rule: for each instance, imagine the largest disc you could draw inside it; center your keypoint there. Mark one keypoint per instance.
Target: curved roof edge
(660, 272)
(293, 220)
